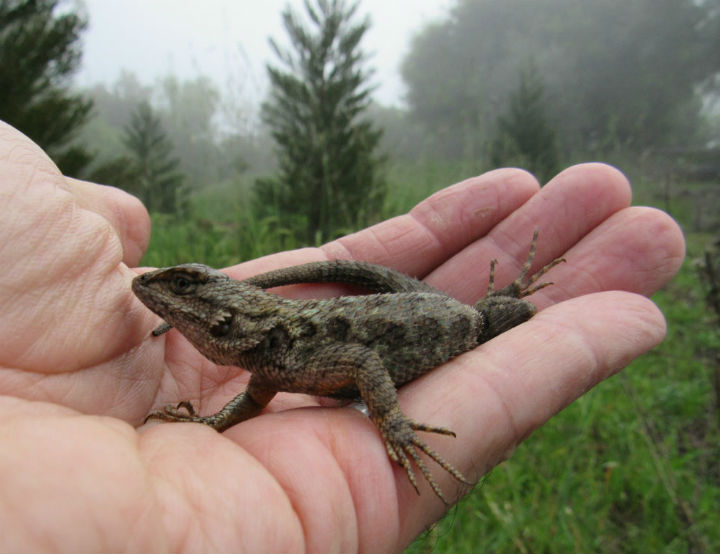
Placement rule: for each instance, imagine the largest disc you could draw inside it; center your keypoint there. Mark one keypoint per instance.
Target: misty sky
(226, 40)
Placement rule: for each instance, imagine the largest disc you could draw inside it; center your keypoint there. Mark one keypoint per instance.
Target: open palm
(79, 370)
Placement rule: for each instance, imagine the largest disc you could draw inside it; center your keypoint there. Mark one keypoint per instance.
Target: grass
(632, 466)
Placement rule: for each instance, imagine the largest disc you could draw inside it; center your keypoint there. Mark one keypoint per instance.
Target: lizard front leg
(245, 405)
(378, 392)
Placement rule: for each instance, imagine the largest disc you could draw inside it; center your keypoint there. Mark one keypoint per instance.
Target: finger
(496, 395)
(440, 225)
(636, 250)
(503, 204)
(125, 213)
(26, 164)
(564, 211)
(418, 241)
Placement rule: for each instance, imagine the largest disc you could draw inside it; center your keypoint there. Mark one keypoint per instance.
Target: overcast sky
(227, 40)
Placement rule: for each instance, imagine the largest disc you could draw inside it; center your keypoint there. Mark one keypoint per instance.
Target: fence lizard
(345, 347)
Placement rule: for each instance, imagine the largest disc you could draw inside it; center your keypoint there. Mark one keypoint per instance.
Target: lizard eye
(182, 285)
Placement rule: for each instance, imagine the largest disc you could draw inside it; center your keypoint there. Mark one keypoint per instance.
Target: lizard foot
(518, 288)
(184, 411)
(398, 433)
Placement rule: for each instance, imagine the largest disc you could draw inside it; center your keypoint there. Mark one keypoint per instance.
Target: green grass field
(633, 466)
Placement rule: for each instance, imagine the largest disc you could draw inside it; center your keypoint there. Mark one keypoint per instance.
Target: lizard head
(202, 303)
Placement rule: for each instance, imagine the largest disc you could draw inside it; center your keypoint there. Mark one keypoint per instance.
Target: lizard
(362, 346)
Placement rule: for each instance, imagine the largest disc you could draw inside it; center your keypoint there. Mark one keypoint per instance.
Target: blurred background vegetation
(633, 466)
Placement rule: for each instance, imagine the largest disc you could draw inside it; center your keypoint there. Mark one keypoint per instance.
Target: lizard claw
(184, 411)
(402, 443)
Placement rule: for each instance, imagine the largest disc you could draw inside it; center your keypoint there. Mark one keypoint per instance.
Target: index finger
(418, 241)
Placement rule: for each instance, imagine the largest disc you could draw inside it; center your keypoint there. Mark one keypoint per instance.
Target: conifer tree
(157, 182)
(329, 180)
(524, 136)
(39, 51)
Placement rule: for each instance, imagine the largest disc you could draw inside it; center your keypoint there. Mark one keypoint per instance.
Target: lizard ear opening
(222, 326)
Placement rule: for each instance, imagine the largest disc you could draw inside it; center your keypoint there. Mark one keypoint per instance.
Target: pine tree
(329, 180)
(524, 136)
(39, 51)
(158, 183)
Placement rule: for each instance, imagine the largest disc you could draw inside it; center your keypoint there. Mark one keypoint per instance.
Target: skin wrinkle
(341, 455)
(296, 505)
(483, 376)
(162, 485)
(77, 295)
(433, 210)
(33, 345)
(22, 151)
(183, 497)
(407, 232)
(132, 388)
(614, 274)
(16, 382)
(191, 372)
(487, 212)
(581, 349)
(294, 500)
(580, 271)
(64, 223)
(594, 368)
(428, 231)
(429, 219)
(27, 235)
(117, 210)
(149, 509)
(349, 251)
(379, 243)
(404, 228)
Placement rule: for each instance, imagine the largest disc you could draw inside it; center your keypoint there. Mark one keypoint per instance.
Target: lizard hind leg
(378, 391)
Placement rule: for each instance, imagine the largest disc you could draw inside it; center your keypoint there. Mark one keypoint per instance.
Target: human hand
(79, 370)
